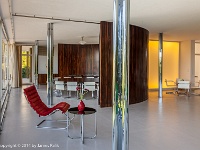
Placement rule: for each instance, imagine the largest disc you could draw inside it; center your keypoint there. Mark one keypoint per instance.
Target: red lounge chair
(41, 109)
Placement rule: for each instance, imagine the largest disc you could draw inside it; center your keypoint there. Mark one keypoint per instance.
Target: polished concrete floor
(171, 123)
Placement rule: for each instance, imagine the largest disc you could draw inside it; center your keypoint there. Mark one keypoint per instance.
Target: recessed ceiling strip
(52, 18)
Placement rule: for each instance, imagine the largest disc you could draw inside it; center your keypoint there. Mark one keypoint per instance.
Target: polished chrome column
(50, 64)
(160, 64)
(36, 63)
(120, 130)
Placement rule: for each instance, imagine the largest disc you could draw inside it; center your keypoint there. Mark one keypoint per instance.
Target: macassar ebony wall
(138, 85)
(106, 64)
(75, 59)
(42, 78)
(138, 71)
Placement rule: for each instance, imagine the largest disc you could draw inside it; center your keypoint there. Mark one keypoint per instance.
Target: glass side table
(87, 111)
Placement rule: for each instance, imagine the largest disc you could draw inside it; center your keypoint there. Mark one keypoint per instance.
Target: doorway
(26, 64)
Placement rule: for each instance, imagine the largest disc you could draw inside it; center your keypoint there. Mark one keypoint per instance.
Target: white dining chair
(195, 86)
(59, 86)
(90, 86)
(71, 86)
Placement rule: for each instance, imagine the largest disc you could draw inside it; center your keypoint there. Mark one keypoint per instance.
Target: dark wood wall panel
(138, 90)
(42, 78)
(74, 59)
(77, 59)
(106, 64)
(61, 60)
(138, 64)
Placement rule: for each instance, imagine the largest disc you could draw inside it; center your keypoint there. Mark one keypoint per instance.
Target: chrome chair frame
(59, 87)
(172, 84)
(35, 102)
(91, 86)
(71, 86)
(195, 87)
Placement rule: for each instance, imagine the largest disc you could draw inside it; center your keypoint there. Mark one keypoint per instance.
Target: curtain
(19, 62)
(31, 55)
(15, 65)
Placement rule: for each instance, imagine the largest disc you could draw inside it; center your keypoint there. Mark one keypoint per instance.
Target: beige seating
(67, 77)
(184, 85)
(90, 86)
(195, 86)
(59, 86)
(172, 85)
(71, 86)
(97, 88)
(77, 77)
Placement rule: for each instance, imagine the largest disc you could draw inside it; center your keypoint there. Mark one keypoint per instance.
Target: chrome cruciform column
(49, 64)
(160, 64)
(120, 130)
(36, 63)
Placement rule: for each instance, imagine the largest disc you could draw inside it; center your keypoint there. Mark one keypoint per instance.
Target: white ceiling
(178, 20)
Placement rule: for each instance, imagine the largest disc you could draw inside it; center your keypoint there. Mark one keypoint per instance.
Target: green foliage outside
(25, 65)
(25, 72)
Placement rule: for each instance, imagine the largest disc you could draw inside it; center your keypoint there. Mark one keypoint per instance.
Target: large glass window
(3, 65)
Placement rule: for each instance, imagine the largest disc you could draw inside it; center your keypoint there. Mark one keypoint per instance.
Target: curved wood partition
(138, 85)
(138, 71)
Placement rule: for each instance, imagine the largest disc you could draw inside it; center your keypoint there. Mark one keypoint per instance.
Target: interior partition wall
(106, 64)
(138, 81)
(187, 60)
(75, 59)
(42, 63)
(138, 76)
(71, 59)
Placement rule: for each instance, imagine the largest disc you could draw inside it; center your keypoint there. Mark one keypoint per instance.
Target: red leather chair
(41, 109)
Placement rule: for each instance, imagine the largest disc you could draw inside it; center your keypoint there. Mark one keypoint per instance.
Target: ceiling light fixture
(82, 42)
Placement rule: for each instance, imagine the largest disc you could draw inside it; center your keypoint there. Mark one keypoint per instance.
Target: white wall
(192, 61)
(187, 60)
(197, 62)
(42, 62)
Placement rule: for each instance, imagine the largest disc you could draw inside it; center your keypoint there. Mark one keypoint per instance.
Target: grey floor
(171, 123)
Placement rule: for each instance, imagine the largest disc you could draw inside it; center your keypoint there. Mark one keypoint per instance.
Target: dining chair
(195, 86)
(90, 86)
(59, 86)
(71, 86)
